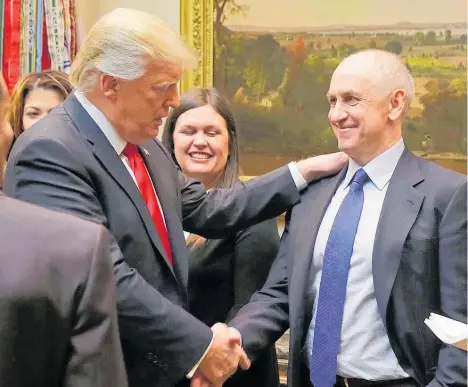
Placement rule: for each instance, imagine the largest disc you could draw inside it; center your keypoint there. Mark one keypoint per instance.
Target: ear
(396, 104)
(110, 86)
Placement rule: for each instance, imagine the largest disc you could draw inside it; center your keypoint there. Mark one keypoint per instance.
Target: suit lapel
(399, 212)
(111, 161)
(314, 204)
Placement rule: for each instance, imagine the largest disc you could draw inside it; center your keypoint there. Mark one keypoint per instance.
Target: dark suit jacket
(223, 275)
(58, 320)
(419, 267)
(65, 163)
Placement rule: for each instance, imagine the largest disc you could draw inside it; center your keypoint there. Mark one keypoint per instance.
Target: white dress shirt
(117, 142)
(365, 350)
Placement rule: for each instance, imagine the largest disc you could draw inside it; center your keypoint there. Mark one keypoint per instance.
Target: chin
(152, 132)
(197, 170)
(345, 144)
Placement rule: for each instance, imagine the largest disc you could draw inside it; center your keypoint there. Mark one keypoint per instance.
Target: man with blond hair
(369, 253)
(97, 157)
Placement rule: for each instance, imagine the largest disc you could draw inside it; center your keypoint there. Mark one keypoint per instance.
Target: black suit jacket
(223, 275)
(65, 163)
(58, 320)
(419, 267)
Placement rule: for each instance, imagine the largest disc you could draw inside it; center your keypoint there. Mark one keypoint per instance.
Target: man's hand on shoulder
(317, 167)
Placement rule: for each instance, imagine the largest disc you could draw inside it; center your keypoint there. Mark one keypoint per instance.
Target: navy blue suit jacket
(419, 267)
(65, 163)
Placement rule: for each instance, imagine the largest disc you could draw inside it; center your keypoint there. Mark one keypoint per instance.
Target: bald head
(369, 94)
(383, 69)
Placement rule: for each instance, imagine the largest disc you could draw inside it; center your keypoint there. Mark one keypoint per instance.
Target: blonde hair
(390, 69)
(122, 43)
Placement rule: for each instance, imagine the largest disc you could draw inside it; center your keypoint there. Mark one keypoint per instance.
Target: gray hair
(122, 43)
(390, 70)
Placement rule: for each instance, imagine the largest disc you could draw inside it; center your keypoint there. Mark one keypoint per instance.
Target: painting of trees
(276, 82)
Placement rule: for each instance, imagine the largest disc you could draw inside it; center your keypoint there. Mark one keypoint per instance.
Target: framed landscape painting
(274, 60)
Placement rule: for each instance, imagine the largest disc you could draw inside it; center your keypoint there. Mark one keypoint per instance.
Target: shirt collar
(117, 142)
(380, 169)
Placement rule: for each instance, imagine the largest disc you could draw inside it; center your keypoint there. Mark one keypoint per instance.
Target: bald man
(369, 253)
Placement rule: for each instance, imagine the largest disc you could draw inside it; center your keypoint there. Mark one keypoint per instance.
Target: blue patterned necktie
(332, 293)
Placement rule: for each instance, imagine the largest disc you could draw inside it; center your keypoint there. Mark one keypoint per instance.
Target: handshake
(223, 358)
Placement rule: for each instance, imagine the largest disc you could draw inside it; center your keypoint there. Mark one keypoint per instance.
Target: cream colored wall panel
(89, 11)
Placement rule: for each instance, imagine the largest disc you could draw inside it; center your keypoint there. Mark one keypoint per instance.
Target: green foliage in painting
(277, 82)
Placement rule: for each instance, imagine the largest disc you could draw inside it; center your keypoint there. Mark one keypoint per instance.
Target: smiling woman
(202, 137)
(201, 143)
(223, 273)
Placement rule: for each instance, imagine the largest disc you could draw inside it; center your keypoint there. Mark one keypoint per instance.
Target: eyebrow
(168, 83)
(207, 127)
(345, 93)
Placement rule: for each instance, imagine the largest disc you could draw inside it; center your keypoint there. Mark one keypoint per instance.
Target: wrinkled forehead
(355, 77)
(163, 71)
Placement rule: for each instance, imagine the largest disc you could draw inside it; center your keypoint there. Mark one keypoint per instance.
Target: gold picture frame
(196, 26)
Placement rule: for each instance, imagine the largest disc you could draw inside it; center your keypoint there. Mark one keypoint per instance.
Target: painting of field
(274, 61)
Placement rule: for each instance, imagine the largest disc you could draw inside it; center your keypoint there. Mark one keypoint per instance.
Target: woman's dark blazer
(223, 275)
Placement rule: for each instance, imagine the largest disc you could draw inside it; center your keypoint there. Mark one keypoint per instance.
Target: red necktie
(146, 189)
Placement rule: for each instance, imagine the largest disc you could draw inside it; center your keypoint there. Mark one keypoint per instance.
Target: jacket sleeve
(451, 369)
(220, 212)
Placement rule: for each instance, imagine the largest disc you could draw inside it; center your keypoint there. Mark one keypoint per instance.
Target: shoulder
(49, 258)
(58, 237)
(441, 183)
(56, 130)
(444, 177)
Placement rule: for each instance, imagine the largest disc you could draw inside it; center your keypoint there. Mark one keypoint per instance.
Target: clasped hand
(223, 359)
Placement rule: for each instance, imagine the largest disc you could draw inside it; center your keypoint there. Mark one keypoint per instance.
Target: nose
(337, 113)
(200, 139)
(173, 99)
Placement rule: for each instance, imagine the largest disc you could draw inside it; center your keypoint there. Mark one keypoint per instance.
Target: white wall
(89, 11)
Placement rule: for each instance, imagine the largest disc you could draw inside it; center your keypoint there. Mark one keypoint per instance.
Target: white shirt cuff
(299, 180)
(194, 369)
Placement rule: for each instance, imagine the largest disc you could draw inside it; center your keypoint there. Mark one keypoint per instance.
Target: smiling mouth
(200, 156)
(347, 129)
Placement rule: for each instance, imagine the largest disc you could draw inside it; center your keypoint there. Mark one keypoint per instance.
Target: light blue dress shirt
(365, 350)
